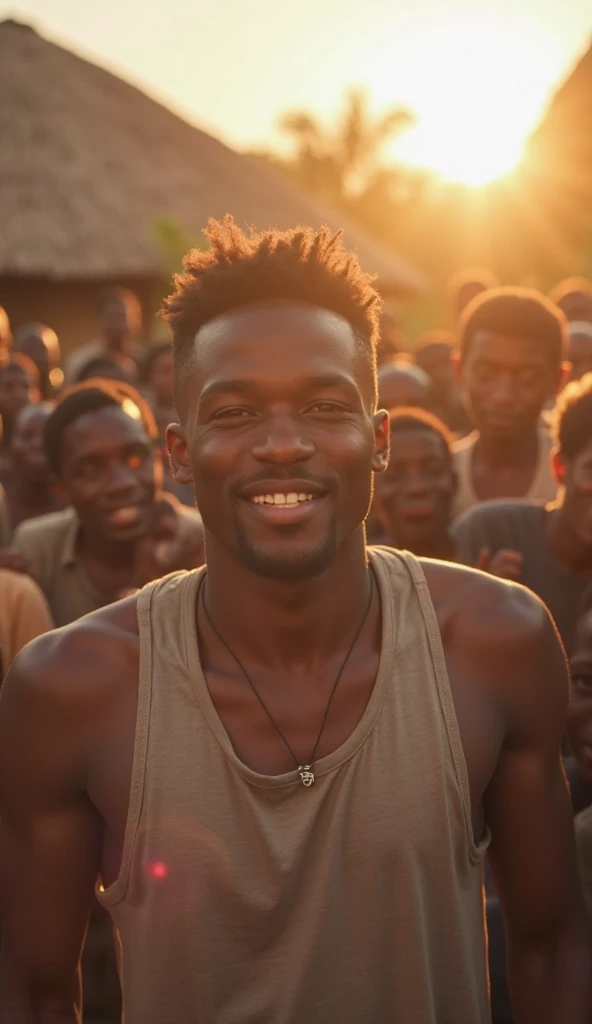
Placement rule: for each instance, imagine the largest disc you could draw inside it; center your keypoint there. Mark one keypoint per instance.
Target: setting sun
(479, 91)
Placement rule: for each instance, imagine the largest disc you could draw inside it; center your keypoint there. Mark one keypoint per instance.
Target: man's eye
(581, 682)
(234, 413)
(135, 461)
(528, 377)
(327, 407)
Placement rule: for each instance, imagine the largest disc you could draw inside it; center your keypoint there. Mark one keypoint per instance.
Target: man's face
(436, 361)
(414, 495)
(15, 391)
(109, 473)
(279, 437)
(27, 443)
(117, 321)
(577, 501)
(580, 705)
(507, 382)
(162, 380)
(579, 354)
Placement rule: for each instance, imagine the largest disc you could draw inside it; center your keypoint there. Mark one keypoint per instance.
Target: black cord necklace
(304, 770)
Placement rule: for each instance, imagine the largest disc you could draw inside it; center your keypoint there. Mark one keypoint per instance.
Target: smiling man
(413, 499)
(512, 344)
(99, 444)
(285, 770)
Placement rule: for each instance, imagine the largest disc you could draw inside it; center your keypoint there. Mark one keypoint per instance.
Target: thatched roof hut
(88, 166)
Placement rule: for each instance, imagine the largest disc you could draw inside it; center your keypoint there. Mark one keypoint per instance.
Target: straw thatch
(89, 164)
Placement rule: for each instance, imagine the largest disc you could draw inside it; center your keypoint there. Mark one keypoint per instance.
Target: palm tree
(341, 163)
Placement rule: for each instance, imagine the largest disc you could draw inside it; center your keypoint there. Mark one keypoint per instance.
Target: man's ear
(558, 466)
(176, 443)
(382, 441)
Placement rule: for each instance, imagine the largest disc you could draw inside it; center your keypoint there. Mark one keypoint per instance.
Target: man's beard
(303, 565)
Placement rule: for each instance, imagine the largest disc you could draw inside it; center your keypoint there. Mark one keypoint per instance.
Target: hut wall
(70, 307)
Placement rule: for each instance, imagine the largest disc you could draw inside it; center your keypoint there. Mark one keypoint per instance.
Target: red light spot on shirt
(158, 870)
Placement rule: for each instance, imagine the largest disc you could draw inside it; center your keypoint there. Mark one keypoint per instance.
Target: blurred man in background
(120, 324)
(109, 367)
(390, 338)
(546, 547)
(40, 343)
(158, 388)
(574, 298)
(28, 484)
(120, 530)
(413, 497)
(19, 386)
(402, 383)
(158, 383)
(434, 354)
(579, 348)
(466, 286)
(512, 349)
(5, 331)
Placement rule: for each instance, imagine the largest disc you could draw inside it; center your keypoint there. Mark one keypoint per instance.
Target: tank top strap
(431, 631)
(176, 584)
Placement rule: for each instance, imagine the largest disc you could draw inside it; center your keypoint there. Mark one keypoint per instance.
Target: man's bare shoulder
(81, 661)
(501, 626)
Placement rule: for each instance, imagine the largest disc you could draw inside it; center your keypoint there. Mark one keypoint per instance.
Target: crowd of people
(489, 467)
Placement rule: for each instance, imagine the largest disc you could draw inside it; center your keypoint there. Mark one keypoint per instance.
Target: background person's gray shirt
(520, 525)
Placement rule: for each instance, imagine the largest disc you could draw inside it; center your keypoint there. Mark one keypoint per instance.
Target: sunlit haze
(476, 75)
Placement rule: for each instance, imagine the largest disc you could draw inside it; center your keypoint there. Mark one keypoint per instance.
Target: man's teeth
(125, 515)
(281, 499)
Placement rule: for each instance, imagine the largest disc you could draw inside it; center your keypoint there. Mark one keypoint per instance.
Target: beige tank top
(248, 899)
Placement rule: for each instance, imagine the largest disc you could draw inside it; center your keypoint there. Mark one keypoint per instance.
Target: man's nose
(121, 477)
(283, 441)
(502, 390)
(415, 484)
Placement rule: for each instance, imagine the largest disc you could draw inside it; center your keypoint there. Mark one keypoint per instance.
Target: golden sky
(476, 74)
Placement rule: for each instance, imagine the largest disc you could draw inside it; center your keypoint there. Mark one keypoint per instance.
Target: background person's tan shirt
(24, 615)
(49, 545)
(542, 488)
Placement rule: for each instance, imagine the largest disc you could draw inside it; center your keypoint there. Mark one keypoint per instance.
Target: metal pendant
(306, 774)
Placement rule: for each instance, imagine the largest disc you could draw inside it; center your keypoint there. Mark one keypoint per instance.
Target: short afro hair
(301, 265)
(404, 420)
(516, 313)
(571, 286)
(573, 417)
(91, 396)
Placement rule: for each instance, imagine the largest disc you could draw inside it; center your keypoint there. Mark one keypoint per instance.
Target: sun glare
(478, 91)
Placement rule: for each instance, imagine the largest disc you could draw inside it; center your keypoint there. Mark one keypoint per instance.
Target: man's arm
(529, 812)
(49, 839)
